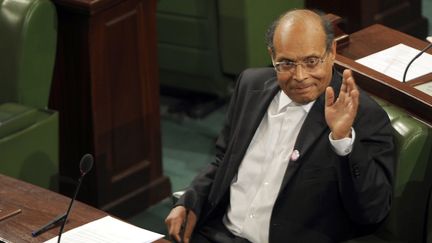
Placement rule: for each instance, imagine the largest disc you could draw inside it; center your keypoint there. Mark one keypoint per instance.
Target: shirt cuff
(343, 146)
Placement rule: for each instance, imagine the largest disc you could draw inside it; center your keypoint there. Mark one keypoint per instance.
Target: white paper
(425, 88)
(107, 230)
(393, 61)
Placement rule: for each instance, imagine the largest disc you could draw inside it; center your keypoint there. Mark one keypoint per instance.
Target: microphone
(86, 164)
(190, 198)
(429, 38)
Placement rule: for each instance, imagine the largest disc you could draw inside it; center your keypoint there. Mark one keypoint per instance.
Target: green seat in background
(28, 130)
(409, 214)
(204, 44)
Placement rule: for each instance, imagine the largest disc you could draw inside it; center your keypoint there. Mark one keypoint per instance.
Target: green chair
(203, 45)
(28, 130)
(429, 219)
(408, 217)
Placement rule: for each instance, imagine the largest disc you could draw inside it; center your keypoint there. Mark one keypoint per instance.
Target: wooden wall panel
(107, 91)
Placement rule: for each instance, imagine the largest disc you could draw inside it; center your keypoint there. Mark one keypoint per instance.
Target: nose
(299, 73)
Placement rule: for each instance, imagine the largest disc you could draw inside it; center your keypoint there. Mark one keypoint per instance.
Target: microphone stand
(70, 206)
(86, 164)
(49, 225)
(417, 56)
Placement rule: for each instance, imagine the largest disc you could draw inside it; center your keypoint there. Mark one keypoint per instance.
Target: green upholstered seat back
(408, 217)
(27, 45)
(28, 131)
(428, 227)
(203, 44)
(413, 177)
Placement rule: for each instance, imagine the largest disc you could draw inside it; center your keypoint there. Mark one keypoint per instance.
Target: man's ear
(333, 49)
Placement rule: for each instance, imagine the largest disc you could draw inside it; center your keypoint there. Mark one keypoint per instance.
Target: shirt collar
(284, 101)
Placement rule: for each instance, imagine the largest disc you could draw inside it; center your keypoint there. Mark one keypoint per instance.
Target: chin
(303, 99)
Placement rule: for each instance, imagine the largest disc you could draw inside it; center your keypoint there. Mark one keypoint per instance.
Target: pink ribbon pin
(295, 155)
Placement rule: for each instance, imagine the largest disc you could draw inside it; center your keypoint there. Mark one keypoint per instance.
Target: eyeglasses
(309, 64)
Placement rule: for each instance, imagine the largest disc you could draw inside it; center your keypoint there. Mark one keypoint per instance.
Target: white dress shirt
(257, 183)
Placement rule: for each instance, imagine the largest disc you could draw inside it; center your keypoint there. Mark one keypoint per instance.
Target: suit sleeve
(366, 174)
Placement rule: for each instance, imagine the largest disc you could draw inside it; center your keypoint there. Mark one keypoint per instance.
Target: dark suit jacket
(324, 197)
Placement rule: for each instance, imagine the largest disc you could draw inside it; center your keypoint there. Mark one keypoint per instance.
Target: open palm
(341, 112)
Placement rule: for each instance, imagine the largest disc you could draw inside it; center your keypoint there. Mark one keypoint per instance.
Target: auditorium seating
(28, 130)
(203, 45)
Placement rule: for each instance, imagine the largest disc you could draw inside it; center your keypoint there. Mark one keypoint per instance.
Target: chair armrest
(15, 117)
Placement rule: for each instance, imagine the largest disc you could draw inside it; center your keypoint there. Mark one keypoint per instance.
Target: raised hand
(340, 113)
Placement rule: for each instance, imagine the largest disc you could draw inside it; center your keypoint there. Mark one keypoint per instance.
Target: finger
(355, 98)
(329, 96)
(341, 99)
(345, 76)
(174, 222)
(343, 88)
(191, 221)
(351, 86)
(174, 231)
(350, 82)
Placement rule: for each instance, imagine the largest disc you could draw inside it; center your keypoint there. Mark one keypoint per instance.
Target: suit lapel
(313, 127)
(257, 102)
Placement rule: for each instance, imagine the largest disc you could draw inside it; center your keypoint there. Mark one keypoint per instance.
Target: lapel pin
(295, 155)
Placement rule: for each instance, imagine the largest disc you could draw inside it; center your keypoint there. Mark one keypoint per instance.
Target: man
(294, 162)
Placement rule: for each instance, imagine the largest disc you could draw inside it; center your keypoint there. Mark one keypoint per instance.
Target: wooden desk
(403, 15)
(39, 206)
(376, 38)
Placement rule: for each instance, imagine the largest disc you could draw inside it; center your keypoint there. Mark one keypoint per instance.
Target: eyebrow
(293, 60)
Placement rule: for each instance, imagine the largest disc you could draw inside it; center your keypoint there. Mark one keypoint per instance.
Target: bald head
(300, 16)
(300, 21)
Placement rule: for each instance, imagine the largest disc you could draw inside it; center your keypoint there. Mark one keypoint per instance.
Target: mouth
(303, 88)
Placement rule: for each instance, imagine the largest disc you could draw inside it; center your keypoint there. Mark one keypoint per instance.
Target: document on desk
(107, 230)
(393, 61)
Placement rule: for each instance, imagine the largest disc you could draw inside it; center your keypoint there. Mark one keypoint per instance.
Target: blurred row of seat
(204, 45)
(28, 130)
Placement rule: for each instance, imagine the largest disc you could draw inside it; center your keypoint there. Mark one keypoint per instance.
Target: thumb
(329, 96)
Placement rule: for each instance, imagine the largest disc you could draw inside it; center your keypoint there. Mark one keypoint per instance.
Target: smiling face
(297, 38)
